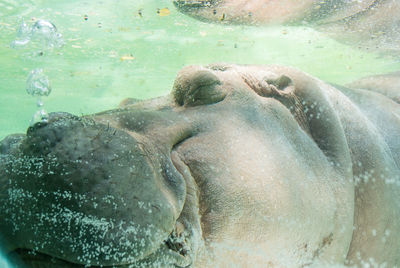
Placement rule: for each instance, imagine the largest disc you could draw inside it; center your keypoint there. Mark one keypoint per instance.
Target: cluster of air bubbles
(42, 34)
(38, 85)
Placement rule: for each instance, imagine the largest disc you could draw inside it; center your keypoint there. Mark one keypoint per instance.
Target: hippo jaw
(173, 252)
(75, 219)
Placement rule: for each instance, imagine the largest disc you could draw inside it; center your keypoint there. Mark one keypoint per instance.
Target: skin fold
(251, 165)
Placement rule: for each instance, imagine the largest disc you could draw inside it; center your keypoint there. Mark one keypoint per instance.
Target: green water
(88, 74)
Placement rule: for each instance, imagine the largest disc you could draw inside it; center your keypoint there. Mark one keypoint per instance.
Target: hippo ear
(270, 86)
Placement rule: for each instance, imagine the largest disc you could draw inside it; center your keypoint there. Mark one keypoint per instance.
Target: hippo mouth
(174, 248)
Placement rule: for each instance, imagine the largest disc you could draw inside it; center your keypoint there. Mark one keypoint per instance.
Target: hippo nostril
(36, 127)
(53, 117)
(43, 136)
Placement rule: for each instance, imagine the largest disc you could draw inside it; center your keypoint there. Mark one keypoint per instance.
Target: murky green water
(115, 53)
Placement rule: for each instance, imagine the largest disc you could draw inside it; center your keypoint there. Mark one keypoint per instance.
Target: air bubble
(38, 83)
(39, 103)
(42, 33)
(46, 32)
(40, 116)
(23, 35)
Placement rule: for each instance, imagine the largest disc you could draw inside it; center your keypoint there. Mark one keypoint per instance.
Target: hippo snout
(87, 193)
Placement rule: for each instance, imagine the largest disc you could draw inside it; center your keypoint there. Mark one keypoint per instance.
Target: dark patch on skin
(326, 241)
(176, 242)
(156, 207)
(36, 259)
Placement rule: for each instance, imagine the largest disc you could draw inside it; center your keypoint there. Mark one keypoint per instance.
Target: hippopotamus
(366, 24)
(240, 165)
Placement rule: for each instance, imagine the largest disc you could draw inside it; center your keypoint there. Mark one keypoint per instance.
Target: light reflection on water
(3, 262)
(20, 8)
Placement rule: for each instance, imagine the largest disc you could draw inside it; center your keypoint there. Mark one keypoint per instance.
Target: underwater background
(114, 49)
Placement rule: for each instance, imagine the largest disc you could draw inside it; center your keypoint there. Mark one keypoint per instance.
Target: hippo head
(250, 12)
(235, 165)
(267, 12)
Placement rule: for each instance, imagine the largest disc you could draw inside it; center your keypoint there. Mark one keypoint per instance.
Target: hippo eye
(201, 88)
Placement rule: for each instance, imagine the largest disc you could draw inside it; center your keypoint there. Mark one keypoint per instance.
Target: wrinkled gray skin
(251, 166)
(369, 24)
